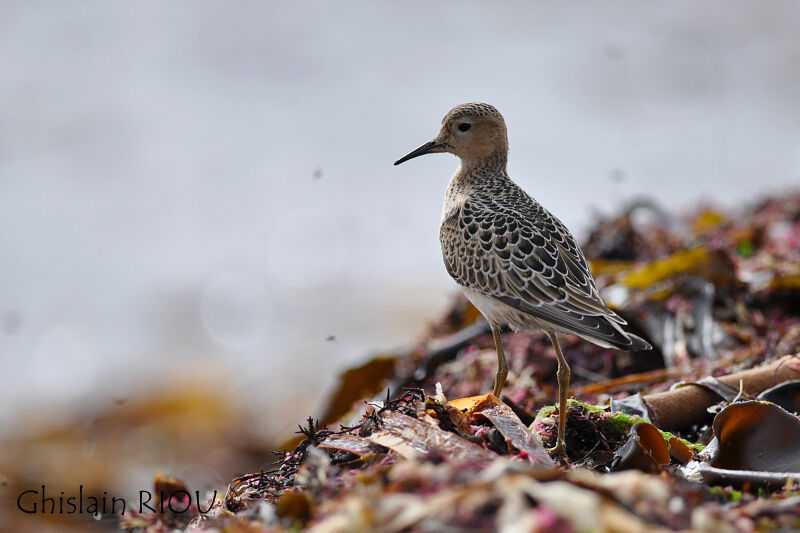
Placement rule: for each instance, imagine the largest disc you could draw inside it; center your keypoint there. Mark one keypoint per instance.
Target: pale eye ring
(464, 126)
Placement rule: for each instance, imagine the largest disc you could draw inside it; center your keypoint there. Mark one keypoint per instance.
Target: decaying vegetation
(700, 434)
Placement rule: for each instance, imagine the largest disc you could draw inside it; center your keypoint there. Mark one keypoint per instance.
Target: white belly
(499, 314)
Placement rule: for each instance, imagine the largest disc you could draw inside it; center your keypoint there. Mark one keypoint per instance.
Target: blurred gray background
(195, 188)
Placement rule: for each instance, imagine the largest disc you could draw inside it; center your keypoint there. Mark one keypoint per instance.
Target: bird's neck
(478, 170)
(493, 163)
(470, 178)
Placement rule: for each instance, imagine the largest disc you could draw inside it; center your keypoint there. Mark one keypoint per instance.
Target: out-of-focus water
(207, 187)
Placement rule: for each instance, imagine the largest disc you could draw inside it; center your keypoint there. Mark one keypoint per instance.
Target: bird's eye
(464, 126)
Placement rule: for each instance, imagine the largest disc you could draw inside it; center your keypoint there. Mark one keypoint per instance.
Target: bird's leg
(563, 387)
(502, 364)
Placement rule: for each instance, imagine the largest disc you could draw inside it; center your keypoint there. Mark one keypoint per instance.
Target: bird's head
(473, 132)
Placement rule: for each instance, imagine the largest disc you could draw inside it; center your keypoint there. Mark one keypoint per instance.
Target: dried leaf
(467, 405)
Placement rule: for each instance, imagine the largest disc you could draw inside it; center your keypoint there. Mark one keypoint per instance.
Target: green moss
(587, 406)
(696, 447)
(745, 248)
(545, 412)
(549, 410)
(728, 493)
(623, 422)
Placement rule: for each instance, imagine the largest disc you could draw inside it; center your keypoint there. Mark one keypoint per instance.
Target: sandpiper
(515, 261)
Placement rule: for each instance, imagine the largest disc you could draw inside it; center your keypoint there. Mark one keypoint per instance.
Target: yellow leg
(502, 364)
(563, 387)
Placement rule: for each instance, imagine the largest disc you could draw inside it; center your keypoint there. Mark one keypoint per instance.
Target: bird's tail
(609, 333)
(637, 343)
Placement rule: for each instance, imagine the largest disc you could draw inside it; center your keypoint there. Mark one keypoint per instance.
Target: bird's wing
(527, 259)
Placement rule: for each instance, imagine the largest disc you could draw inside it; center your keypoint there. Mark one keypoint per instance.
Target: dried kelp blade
(294, 505)
(632, 405)
(756, 444)
(349, 443)
(683, 406)
(697, 261)
(581, 508)
(679, 451)
(357, 383)
(413, 439)
(756, 436)
(786, 395)
(739, 478)
(514, 431)
(645, 450)
(725, 391)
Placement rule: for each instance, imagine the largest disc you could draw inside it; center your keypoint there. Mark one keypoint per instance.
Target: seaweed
(670, 439)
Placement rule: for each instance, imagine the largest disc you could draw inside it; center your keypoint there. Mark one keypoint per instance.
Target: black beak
(422, 150)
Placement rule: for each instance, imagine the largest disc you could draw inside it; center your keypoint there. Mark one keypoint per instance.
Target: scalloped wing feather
(526, 258)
